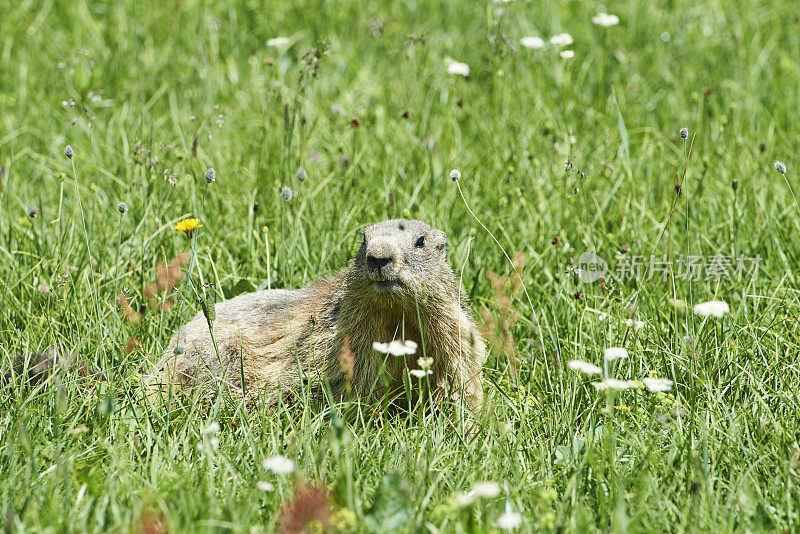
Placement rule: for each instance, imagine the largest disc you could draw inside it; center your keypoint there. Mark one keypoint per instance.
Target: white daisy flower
(458, 68)
(425, 363)
(584, 367)
(657, 384)
(464, 499)
(615, 353)
(561, 39)
(713, 308)
(278, 42)
(263, 485)
(637, 325)
(396, 347)
(613, 383)
(211, 428)
(280, 465)
(535, 43)
(605, 19)
(567, 54)
(509, 520)
(489, 490)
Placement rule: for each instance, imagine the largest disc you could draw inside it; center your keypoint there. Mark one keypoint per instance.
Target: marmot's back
(251, 334)
(257, 304)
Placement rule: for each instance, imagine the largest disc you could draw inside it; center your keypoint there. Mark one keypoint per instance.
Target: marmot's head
(403, 259)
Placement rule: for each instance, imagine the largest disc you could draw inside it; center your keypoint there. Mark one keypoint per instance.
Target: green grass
(717, 453)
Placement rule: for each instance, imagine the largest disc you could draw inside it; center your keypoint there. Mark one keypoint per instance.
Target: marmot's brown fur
(398, 287)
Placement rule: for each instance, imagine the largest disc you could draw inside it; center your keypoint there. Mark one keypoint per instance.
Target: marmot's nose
(381, 254)
(378, 263)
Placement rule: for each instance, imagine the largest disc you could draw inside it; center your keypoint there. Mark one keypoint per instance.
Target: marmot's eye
(420, 242)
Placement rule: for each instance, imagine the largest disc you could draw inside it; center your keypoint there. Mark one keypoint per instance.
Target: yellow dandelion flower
(187, 226)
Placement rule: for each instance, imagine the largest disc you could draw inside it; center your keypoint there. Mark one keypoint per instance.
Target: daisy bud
(68, 151)
(780, 167)
(211, 175)
(455, 175)
(301, 174)
(287, 193)
(684, 133)
(122, 207)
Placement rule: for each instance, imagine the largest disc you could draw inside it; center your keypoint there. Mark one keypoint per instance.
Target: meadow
(566, 129)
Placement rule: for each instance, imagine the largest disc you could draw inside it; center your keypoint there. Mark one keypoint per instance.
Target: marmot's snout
(383, 258)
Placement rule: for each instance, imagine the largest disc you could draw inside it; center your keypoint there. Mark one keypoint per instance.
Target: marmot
(398, 287)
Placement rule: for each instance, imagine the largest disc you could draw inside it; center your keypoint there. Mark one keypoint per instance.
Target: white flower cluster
(278, 42)
(613, 383)
(605, 19)
(456, 67)
(611, 354)
(396, 347)
(278, 464)
(615, 353)
(712, 308)
(535, 42)
(584, 367)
